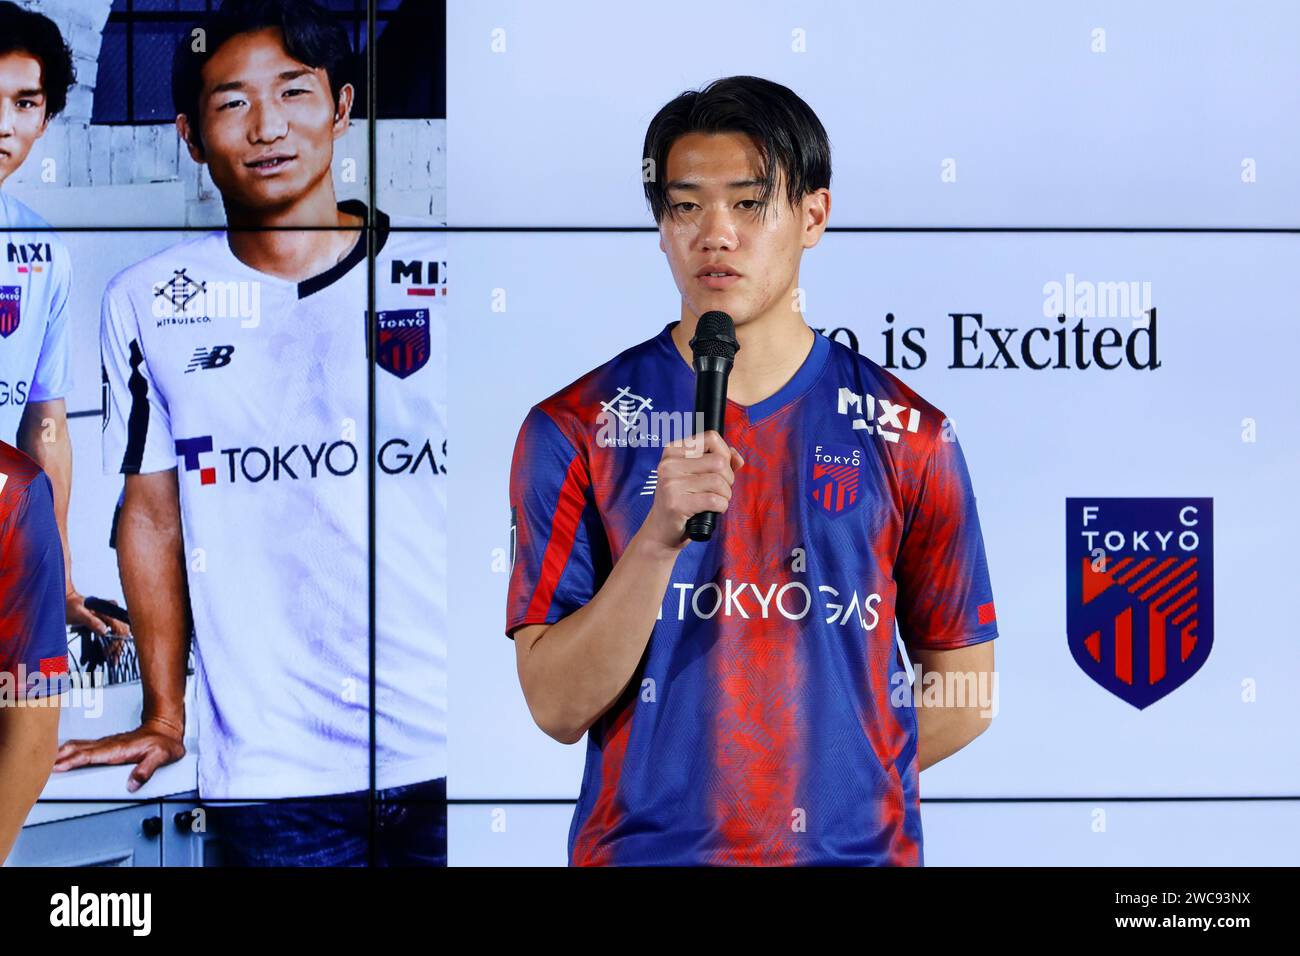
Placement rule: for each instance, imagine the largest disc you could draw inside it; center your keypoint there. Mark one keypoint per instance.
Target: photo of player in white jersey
(238, 387)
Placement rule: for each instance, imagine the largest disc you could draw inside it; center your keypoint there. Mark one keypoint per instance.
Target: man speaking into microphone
(744, 698)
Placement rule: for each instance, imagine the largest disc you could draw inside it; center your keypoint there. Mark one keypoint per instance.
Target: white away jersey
(35, 278)
(255, 389)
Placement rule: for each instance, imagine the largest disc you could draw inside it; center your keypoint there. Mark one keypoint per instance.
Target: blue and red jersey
(770, 720)
(33, 637)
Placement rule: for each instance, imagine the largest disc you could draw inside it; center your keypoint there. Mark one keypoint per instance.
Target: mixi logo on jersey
(878, 416)
(29, 257)
(1140, 592)
(302, 460)
(424, 278)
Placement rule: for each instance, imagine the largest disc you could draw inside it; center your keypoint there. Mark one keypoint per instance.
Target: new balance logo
(216, 357)
(878, 416)
(651, 482)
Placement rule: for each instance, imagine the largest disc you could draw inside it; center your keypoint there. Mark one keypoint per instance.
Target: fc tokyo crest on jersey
(10, 309)
(403, 341)
(1140, 592)
(835, 477)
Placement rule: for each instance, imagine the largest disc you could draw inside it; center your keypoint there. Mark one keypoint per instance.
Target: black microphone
(714, 347)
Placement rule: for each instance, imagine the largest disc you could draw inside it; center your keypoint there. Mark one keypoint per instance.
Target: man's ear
(817, 213)
(343, 110)
(45, 124)
(662, 247)
(183, 128)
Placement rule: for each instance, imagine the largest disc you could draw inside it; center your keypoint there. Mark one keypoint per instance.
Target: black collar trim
(355, 255)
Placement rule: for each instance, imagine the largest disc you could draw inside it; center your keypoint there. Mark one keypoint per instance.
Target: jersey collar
(799, 383)
(322, 280)
(355, 255)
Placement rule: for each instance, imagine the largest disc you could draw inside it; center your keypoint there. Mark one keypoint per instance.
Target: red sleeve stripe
(986, 614)
(559, 545)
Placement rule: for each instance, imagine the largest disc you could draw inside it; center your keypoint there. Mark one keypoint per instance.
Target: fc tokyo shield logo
(835, 477)
(1140, 592)
(11, 297)
(403, 346)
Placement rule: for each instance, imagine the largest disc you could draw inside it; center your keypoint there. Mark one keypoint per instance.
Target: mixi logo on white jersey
(420, 278)
(878, 416)
(793, 601)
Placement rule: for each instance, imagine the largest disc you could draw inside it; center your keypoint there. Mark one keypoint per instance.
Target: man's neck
(280, 249)
(772, 349)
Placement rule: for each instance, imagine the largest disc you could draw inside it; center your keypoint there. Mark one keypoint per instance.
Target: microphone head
(715, 335)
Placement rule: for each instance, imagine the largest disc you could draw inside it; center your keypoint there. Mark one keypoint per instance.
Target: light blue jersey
(35, 279)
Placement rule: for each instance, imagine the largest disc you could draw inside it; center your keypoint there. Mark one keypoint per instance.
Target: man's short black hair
(25, 31)
(311, 34)
(783, 126)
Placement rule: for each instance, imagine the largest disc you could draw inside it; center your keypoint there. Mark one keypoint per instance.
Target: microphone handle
(700, 527)
(711, 373)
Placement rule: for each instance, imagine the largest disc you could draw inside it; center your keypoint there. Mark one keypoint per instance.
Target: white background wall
(1043, 130)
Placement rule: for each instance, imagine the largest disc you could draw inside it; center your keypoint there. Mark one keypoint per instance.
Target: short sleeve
(945, 599)
(33, 636)
(553, 522)
(53, 376)
(136, 422)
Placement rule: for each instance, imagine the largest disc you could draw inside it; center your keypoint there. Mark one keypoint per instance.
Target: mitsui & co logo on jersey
(186, 300)
(300, 461)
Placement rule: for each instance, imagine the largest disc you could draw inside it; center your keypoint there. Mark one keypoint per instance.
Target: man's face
(268, 121)
(716, 226)
(22, 109)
